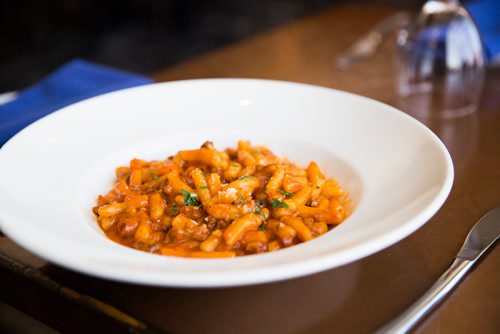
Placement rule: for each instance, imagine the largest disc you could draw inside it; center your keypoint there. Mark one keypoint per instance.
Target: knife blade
(369, 43)
(482, 235)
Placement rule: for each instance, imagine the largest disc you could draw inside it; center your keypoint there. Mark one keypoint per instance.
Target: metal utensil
(481, 236)
(8, 97)
(368, 44)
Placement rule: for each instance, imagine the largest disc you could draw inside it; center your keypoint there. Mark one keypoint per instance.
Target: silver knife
(480, 238)
(368, 44)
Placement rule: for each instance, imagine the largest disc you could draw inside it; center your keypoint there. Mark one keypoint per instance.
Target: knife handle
(416, 312)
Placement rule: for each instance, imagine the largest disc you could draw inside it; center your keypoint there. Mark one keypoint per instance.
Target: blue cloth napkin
(486, 16)
(73, 82)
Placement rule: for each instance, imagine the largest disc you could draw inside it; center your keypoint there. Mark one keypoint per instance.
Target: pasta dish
(206, 203)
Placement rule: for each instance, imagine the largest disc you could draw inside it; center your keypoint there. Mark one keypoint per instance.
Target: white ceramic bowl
(396, 170)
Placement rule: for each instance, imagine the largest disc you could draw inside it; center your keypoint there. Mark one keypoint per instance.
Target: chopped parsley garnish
(279, 204)
(256, 151)
(190, 199)
(175, 209)
(262, 227)
(286, 193)
(277, 227)
(260, 202)
(245, 177)
(258, 211)
(202, 174)
(154, 176)
(204, 187)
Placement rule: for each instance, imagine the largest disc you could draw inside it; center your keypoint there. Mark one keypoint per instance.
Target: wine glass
(440, 62)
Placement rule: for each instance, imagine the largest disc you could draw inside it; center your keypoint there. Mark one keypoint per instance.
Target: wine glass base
(424, 105)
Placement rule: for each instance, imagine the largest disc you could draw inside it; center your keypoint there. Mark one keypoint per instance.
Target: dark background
(136, 35)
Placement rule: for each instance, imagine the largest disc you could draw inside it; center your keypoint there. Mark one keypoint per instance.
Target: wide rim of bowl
(230, 278)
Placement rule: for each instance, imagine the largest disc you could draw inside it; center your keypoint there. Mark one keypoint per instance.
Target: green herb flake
(190, 199)
(260, 202)
(245, 177)
(277, 227)
(256, 151)
(175, 209)
(258, 211)
(286, 193)
(204, 187)
(276, 203)
(202, 174)
(234, 164)
(154, 176)
(262, 227)
(242, 199)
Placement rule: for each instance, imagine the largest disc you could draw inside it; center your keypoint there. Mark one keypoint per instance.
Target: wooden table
(355, 298)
